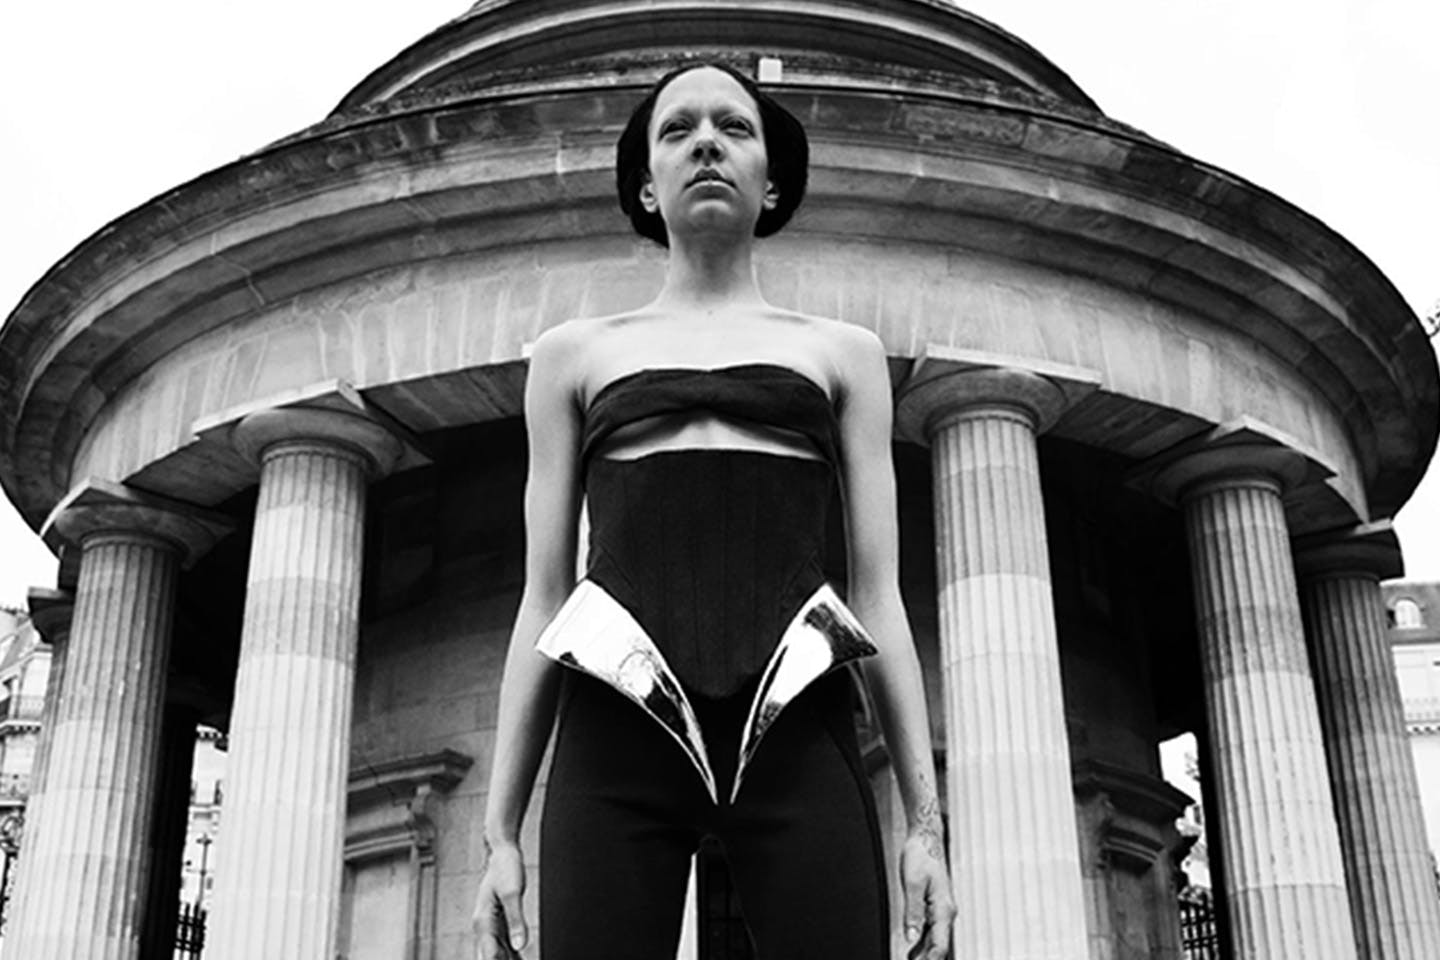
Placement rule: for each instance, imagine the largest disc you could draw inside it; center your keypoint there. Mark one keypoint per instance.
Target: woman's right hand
(499, 917)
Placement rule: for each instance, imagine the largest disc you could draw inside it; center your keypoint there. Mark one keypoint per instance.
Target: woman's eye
(738, 126)
(672, 128)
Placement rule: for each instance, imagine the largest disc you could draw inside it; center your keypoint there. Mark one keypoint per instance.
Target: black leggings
(625, 812)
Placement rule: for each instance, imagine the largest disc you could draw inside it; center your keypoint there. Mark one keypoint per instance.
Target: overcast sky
(1331, 104)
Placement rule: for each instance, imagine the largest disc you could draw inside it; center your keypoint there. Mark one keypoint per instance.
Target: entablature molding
(485, 175)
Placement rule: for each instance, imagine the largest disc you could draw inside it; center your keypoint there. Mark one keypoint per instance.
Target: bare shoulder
(844, 341)
(858, 348)
(854, 354)
(557, 356)
(560, 349)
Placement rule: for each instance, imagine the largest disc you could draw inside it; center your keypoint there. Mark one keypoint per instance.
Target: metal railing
(1199, 935)
(190, 932)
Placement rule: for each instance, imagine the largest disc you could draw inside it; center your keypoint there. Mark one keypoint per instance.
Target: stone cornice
(1073, 194)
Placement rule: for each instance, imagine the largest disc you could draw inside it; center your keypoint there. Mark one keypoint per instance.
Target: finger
(942, 928)
(480, 920)
(515, 921)
(920, 949)
(914, 920)
(490, 926)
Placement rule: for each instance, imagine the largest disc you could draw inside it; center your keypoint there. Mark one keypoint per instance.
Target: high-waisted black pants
(625, 812)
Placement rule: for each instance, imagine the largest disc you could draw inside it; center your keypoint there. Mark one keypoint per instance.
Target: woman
(707, 430)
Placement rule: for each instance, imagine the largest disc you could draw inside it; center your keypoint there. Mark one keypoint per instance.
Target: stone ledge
(1137, 824)
(388, 804)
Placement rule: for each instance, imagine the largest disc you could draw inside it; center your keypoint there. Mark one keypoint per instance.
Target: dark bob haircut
(786, 147)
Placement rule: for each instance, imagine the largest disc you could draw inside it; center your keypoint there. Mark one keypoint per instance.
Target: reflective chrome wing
(823, 635)
(594, 634)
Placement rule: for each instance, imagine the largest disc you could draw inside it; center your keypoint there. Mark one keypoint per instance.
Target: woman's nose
(706, 146)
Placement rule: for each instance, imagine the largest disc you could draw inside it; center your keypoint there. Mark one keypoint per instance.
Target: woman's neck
(708, 276)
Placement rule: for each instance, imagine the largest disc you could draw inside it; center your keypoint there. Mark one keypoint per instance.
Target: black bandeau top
(765, 393)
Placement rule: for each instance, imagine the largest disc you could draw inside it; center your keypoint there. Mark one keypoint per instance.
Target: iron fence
(190, 932)
(1200, 937)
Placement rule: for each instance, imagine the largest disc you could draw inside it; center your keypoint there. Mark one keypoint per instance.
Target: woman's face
(708, 168)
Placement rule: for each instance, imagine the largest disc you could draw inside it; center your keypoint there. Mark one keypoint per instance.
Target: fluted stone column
(280, 847)
(1284, 879)
(51, 612)
(1393, 901)
(89, 853)
(1014, 849)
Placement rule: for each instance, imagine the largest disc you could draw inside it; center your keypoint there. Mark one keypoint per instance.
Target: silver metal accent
(595, 634)
(823, 635)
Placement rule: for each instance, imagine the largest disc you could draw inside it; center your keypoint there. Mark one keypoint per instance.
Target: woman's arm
(893, 675)
(529, 684)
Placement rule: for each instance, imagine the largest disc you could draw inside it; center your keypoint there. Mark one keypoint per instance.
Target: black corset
(712, 552)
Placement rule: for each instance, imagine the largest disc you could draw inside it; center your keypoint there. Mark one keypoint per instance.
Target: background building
(24, 673)
(24, 670)
(1152, 422)
(1414, 614)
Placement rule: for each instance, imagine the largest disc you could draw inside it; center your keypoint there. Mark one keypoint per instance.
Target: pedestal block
(1393, 902)
(280, 848)
(1014, 849)
(90, 851)
(1281, 848)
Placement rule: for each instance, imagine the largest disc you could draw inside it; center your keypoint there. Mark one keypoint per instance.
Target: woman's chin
(714, 225)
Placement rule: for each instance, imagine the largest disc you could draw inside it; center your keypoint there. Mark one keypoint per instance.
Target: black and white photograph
(720, 480)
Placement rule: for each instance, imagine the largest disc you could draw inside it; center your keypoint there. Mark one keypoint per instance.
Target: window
(1407, 614)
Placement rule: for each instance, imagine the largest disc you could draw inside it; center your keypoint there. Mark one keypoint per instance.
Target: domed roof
(499, 43)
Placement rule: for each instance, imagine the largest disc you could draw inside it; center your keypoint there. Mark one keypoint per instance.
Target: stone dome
(500, 43)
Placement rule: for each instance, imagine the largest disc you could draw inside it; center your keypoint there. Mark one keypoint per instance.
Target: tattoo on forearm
(929, 826)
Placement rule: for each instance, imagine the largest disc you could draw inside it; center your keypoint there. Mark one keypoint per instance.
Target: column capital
(1243, 450)
(1367, 549)
(946, 382)
(97, 507)
(50, 612)
(332, 413)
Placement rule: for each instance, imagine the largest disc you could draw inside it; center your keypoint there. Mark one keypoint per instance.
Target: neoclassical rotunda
(1152, 423)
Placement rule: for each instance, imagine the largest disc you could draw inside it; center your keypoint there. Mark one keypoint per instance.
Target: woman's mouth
(709, 176)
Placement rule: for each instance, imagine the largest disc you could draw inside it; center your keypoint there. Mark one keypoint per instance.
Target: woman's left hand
(929, 907)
